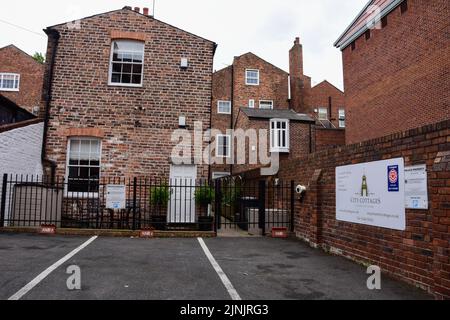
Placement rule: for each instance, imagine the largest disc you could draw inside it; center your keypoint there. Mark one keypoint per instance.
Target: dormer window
(9, 82)
(127, 63)
(252, 77)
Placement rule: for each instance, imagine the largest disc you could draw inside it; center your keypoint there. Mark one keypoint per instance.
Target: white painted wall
(20, 152)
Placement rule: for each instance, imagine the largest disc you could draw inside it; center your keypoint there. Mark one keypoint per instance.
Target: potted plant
(204, 196)
(159, 198)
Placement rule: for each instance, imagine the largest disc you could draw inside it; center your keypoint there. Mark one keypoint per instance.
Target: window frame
(72, 194)
(218, 106)
(251, 103)
(271, 102)
(326, 111)
(228, 137)
(111, 62)
(247, 78)
(342, 118)
(280, 149)
(2, 74)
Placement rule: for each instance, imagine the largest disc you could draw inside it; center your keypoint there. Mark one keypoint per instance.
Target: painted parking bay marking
(223, 277)
(19, 294)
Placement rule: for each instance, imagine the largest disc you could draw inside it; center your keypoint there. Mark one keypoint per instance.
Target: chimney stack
(296, 73)
(137, 9)
(146, 11)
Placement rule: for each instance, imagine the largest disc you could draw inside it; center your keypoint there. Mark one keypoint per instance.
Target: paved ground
(113, 268)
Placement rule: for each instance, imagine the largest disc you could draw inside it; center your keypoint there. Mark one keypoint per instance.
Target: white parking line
(19, 294)
(223, 277)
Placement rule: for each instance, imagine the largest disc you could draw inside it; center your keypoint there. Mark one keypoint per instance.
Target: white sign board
(416, 187)
(372, 194)
(115, 197)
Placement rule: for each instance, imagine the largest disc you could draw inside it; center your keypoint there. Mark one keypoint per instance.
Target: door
(182, 194)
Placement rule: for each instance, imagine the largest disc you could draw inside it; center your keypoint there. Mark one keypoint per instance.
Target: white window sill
(125, 85)
(10, 90)
(279, 150)
(82, 195)
(224, 113)
(252, 84)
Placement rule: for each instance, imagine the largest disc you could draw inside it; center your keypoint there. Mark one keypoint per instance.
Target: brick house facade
(117, 88)
(396, 75)
(21, 78)
(276, 90)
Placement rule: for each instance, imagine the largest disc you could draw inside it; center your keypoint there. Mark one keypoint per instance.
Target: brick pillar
(315, 230)
(440, 200)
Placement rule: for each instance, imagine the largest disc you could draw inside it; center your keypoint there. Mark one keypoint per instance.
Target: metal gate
(254, 206)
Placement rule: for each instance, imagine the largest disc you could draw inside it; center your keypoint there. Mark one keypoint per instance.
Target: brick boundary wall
(329, 138)
(419, 255)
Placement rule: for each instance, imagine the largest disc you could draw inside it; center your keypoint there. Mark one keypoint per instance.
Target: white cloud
(265, 27)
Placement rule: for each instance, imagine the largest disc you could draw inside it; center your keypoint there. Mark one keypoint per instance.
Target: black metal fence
(111, 203)
(140, 203)
(254, 206)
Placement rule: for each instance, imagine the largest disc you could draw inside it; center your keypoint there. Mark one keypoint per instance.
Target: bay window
(279, 135)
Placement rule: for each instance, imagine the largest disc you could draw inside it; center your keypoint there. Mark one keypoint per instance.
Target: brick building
(21, 78)
(396, 73)
(117, 86)
(252, 92)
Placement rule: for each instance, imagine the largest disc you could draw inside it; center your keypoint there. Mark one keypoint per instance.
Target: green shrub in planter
(204, 195)
(159, 195)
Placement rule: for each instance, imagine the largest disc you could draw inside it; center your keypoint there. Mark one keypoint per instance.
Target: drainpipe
(232, 112)
(48, 97)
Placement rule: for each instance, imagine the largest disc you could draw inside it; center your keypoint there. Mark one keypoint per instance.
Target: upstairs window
(224, 107)
(252, 77)
(251, 103)
(223, 146)
(127, 63)
(266, 104)
(279, 135)
(83, 166)
(323, 114)
(9, 81)
(341, 118)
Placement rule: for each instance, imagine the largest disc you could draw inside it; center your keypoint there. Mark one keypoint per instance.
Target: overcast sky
(264, 27)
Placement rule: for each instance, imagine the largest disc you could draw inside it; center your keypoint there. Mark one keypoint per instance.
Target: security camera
(300, 189)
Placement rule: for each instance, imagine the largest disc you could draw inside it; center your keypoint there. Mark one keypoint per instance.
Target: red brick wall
(222, 84)
(320, 97)
(299, 141)
(14, 60)
(398, 79)
(137, 123)
(273, 83)
(419, 255)
(328, 138)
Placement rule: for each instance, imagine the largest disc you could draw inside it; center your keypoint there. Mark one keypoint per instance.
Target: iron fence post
(292, 206)
(134, 202)
(262, 206)
(218, 206)
(3, 201)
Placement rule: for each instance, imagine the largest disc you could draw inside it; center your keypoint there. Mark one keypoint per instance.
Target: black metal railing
(255, 206)
(140, 203)
(178, 204)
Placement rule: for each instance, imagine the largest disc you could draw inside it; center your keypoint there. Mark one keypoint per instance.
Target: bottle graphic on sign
(364, 187)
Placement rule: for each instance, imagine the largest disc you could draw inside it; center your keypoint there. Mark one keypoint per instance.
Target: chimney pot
(137, 9)
(146, 11)
(297, 40)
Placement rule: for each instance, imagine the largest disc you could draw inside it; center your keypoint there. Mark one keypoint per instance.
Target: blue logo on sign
(393, 179)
